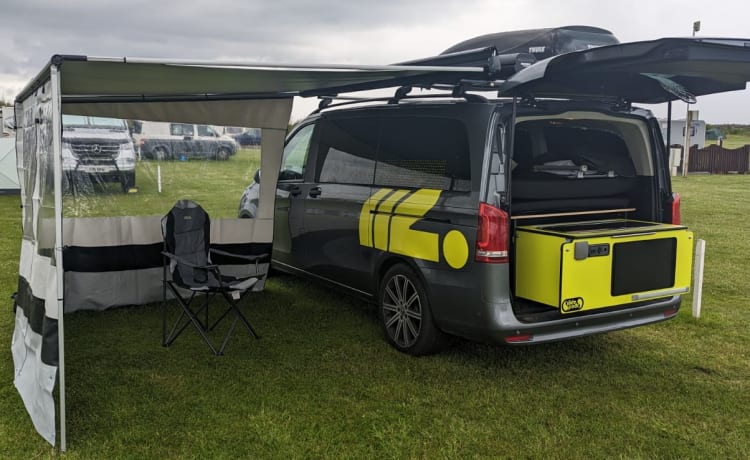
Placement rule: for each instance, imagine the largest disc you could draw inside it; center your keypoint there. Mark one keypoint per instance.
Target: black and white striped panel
(117, 261)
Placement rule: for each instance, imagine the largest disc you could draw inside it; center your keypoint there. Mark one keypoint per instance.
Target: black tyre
(405, 314)
(247, 213)
(160, 154)
(127, 181)
(222, 153)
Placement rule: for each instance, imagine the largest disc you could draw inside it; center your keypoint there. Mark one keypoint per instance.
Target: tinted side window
(295, 154)
(423, 153)
(181, 129)
(347, 151)
(205, 130)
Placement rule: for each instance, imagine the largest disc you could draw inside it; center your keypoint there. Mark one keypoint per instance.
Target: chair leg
(238, 316)
(164, 303)
(235, 308)
(168, 339)
(226, 337)
(218, 320)
(192, 318)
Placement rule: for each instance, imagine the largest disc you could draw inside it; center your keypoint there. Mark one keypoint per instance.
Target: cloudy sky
(335, 31)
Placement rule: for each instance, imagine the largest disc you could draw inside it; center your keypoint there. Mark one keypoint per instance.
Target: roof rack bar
(351, 100)
(346, 98)
(401, 93)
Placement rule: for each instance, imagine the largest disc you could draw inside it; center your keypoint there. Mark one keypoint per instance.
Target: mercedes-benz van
(97, 150)
(542, 216)
(418, 205)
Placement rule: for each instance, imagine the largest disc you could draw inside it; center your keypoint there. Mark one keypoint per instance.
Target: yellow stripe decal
(415, 243)
(383, 216)
(389, 228)
(366, 217)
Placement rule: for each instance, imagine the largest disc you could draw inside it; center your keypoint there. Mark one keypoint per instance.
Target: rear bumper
(476, 304)
(506, 328)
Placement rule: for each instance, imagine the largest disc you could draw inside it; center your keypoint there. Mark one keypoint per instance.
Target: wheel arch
(387, 262)
(152, 148)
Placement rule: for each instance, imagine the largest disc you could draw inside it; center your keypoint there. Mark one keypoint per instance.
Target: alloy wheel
(402, 311)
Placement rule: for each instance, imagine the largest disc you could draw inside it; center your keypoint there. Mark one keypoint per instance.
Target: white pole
(686, 144)
(158, 178)
(700, 253)
(56, 150)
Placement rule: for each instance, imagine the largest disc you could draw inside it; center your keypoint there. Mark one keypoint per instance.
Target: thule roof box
(504, 54)
(542, 43)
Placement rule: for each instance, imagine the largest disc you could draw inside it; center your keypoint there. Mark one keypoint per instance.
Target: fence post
(716, 161)
(700, 254)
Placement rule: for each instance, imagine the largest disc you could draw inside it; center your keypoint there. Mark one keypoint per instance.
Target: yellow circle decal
(455, 249)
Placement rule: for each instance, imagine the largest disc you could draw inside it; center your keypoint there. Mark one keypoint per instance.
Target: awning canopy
(86, 79)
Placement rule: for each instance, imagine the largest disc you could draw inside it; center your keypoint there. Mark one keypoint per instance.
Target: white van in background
(97, 150)
(8, 171)
(166, 141)
(7, 122)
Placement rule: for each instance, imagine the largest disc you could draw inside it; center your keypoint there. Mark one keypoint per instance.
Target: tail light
(518, 338)
(676, 218)
(492, 235)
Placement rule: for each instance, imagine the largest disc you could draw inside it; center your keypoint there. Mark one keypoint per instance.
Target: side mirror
(256, 176)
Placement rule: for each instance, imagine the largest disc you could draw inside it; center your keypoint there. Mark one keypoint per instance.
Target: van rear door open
(647, 72)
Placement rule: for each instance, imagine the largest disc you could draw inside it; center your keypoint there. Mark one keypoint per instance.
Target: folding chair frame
(231, 289)
(192, 315)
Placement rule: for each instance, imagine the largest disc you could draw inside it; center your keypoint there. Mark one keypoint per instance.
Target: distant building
(677, 136)
(714, 134)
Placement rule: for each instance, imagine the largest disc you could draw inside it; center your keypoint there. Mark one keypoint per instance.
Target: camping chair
(187, 255)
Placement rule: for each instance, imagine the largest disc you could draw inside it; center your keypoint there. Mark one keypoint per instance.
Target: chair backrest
(187, 232)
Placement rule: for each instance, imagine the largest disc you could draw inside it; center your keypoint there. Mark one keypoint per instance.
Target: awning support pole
(686, 144)
(56, 151)
(669, 126)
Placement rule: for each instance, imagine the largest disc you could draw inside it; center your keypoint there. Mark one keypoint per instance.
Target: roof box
(542, 43)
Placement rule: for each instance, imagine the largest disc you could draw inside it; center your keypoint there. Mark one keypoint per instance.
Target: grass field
(323, 383)
(216, 185)
(733, 141)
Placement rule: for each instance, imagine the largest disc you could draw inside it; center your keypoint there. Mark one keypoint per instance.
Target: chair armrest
(180, 260)
(254, 258)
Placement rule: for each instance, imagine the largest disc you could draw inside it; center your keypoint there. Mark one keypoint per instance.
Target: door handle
(294, 191)
(315, 192)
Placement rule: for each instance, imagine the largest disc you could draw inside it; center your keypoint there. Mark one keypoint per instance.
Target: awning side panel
(112, 240)
(34, 345)
(117, 261)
